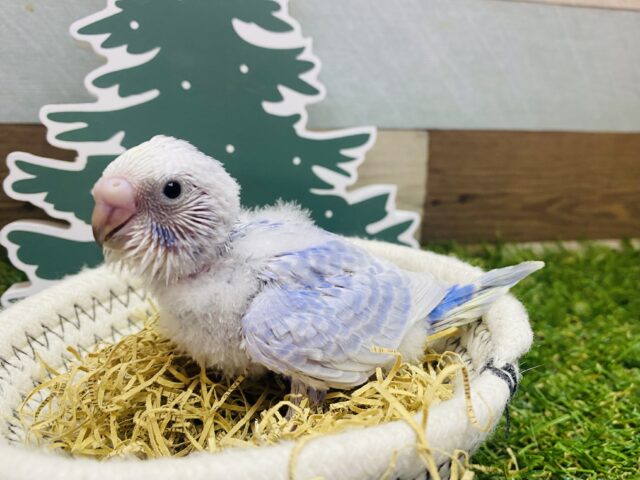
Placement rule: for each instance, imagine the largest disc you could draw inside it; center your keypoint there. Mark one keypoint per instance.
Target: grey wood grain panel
(607, 4)
(467, 64)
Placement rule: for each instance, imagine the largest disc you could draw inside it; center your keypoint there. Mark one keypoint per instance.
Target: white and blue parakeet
(243, 291)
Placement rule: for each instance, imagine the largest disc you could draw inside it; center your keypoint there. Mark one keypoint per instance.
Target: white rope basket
(96, 304)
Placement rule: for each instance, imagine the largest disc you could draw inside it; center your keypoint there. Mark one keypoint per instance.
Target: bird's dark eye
(172, 189)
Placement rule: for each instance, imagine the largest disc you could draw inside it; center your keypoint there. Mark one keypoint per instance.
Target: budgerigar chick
(242, 291)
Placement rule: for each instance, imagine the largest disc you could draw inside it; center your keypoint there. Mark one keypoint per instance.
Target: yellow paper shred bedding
(141, 397)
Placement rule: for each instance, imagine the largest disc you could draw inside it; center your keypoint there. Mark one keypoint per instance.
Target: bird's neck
(193, 267)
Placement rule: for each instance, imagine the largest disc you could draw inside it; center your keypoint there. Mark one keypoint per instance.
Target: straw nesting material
(141, 397)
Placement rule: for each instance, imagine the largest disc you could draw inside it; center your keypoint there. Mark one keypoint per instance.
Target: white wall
(480, 64)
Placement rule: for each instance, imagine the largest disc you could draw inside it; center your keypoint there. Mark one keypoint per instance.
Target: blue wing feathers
(331, 303)
(455, 296)
(467, 303)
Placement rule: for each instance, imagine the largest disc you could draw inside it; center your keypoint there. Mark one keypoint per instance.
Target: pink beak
(115, 206)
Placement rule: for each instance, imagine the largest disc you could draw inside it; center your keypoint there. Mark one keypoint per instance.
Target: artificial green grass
(8, 274)
(577, 411)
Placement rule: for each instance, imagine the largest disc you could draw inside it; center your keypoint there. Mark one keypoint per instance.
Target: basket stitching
(31, 338)
(481, 334)
(454, 342)
(505, 377)
(464, 354)
(12, 430)
(81, 311)
(15, 437)
(64, 319)
(97, 303)
(113, 297)
(507, 373)
(443, 468)
(17, 350)
(77, 307)
(43, 339)
(4, 362)
(31, 347)
(510, 369)
(50, 330)
(83, 348)
(115, 333)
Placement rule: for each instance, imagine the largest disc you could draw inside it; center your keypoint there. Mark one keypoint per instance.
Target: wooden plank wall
(527, 186)
(471, 186)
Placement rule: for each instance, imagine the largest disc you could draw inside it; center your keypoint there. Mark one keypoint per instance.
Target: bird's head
(164, 209)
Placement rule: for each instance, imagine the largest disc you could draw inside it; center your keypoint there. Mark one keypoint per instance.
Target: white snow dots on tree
(244, 68)
(134, 25)
(186, 84)
(230, 148)
(328, 214)
(297, 161)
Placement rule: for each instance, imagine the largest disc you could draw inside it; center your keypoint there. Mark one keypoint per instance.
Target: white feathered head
(164, 209)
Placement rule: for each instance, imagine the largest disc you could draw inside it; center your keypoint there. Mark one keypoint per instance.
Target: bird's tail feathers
(467, 303)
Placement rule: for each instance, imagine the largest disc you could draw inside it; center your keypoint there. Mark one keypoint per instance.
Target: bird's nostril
(115, 184)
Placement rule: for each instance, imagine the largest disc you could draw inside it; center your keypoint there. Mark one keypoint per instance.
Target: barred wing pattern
(323, 309)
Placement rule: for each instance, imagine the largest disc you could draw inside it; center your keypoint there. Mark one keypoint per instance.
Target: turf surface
(577, 412)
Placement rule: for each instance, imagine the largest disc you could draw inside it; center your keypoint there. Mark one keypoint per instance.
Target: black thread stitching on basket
(75, 324)
(50, 330)
(4, 362)
(62, 320)
(509, 374)
(16, 353)
(444, 467)
(115, 333)
(511, 370)
(77, 307)
(31, 338)
(31, 347)
(503, 376)
(507, 420)
(13, 430)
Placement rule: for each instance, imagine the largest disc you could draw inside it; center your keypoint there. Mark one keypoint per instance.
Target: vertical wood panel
(399, 157)
(532, 186)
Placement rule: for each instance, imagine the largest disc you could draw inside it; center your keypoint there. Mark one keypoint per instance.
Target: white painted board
(467, 64)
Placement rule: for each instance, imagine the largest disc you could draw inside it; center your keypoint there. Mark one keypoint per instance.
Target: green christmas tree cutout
(232, 77)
